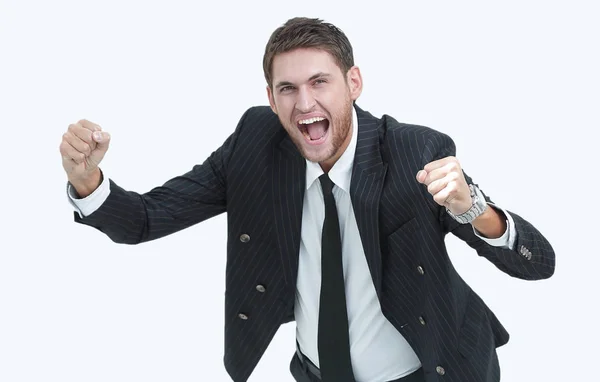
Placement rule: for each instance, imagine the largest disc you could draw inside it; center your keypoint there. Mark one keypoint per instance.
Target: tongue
(317, 129)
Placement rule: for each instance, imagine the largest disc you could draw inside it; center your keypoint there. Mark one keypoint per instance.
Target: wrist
(477, 208)
(86, 185)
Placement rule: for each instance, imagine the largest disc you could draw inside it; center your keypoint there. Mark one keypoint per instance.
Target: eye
(320, 81)
(286, 89)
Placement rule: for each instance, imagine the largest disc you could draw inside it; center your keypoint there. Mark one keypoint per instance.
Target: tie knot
(326, 184)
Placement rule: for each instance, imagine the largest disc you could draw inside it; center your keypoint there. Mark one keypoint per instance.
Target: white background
(515, 84)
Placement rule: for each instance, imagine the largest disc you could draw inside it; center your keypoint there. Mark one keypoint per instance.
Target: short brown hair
(303, 32)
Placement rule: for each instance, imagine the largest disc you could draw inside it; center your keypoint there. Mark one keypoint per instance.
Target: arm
(491, 223)
(531, 258)
(506, 239)
(130, 218)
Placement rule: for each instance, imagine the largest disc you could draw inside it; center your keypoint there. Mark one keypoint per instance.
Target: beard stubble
(341, 123)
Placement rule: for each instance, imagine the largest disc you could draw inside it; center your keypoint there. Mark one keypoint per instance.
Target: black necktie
(333, 342)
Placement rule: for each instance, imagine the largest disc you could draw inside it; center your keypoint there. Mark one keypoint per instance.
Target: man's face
(313, 100)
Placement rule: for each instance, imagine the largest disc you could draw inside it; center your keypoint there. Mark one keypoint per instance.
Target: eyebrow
(313, 77)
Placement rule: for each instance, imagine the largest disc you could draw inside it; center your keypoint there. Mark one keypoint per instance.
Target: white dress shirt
(378, 351)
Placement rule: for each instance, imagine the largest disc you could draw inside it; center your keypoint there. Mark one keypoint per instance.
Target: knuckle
(75, 129)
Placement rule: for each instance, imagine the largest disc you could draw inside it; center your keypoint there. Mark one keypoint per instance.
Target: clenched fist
(82, 148)
(445, 180)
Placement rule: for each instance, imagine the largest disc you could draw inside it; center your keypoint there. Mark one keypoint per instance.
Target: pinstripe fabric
(257, 176)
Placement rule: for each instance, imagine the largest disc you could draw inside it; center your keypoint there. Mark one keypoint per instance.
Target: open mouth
(314, 129)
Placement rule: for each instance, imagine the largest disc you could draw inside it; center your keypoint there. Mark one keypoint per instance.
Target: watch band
(477, 208)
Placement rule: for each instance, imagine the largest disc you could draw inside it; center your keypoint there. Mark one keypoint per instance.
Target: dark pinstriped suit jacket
(258, 177)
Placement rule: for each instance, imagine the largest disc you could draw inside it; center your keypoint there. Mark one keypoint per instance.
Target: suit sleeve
(531, 258)
(128, 217)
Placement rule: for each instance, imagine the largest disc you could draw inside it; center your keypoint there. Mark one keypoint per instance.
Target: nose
(306, 101)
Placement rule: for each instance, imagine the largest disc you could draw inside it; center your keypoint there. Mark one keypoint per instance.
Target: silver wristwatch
(478, 207)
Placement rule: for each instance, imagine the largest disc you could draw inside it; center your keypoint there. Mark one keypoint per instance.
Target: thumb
(102, 139)
(421, 176)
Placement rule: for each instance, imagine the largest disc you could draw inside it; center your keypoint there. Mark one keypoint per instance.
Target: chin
(317, 158)
(314, 154)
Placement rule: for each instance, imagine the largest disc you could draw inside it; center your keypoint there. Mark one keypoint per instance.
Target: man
(336, 219)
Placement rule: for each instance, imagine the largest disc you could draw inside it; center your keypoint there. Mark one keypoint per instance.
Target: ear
(271, 99)
(354, 81)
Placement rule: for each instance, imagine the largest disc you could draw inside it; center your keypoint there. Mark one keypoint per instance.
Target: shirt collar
(341, 172)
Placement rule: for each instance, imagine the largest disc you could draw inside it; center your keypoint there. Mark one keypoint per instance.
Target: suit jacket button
(242, 316)
(261, 288)
(422, 320)
(440, 370)
(245, 238)
(421, 270)
(525, 252)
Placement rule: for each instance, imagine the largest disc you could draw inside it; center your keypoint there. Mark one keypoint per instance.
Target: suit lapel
(288, 185)
(368, 176)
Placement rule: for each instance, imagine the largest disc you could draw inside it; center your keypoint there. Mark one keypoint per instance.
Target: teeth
(311, 120)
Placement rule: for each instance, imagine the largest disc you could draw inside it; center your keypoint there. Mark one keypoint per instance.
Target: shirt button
(245, 238)
(421, 270)
(422, 320)
(440, 370)
(242, 316)
(261, 288)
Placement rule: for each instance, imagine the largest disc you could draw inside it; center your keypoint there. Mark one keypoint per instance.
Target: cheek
(334, 102)
(284, 105)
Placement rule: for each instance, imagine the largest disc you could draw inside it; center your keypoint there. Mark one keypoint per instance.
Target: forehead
(300, 64)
